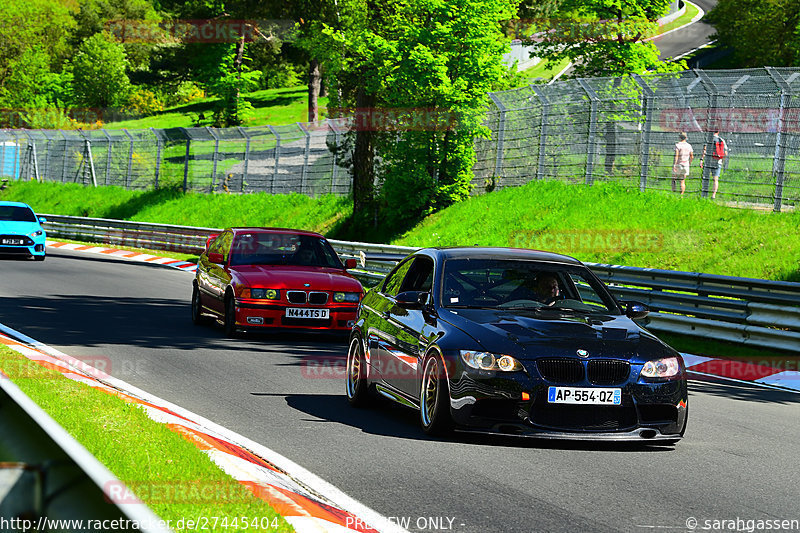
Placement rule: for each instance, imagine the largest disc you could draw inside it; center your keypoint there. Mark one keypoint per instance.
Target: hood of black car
(553, 333)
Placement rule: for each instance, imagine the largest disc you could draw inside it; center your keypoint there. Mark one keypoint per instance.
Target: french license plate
(585, 396)
(300, 312)
(13, 241)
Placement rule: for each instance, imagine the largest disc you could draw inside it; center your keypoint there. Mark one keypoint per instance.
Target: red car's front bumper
(256, 314)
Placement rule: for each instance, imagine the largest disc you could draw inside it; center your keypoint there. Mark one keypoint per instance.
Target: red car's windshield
(283, 249)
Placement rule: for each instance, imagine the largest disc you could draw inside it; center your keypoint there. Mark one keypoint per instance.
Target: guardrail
(49, 481)
(743, 310)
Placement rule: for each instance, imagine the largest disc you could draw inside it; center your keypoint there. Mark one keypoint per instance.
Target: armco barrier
(48, 478)
(744, 310)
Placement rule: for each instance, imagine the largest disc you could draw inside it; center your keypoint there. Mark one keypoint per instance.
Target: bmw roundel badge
(583, 353)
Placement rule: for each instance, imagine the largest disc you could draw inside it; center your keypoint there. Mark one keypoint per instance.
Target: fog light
(255, 320)
(350, 323)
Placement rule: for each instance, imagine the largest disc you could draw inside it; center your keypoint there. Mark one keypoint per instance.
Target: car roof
(17, 204)
(496, 252)
(245, 229)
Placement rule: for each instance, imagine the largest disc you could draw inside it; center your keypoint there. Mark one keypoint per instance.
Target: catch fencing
(581, 131)
(749, 311)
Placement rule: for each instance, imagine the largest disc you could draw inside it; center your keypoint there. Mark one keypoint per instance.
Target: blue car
(21, 232)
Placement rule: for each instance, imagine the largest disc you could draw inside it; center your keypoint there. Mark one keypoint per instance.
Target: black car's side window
(420, 276)
(395, 279)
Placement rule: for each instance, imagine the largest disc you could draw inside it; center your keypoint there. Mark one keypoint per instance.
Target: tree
(99, 70)
(760, 32)
(604, 37)
(417, 73)
(34, 39)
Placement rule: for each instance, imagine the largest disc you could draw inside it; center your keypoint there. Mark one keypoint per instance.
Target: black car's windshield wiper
(465, 306)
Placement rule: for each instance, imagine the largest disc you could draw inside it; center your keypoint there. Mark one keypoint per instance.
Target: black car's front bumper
(517, 405)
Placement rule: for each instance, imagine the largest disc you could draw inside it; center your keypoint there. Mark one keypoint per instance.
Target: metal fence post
(501, 135)
(64, 160)
(186, 159)
(712, 91)
(158, 157)
(644, 148)
(130, 160)
(779, 161)
(277, 158)
(108, 156)
(590, 141)
(542, 130)
(304, 172)
(88, 155)
(246, 154)
(334, 166)
(33, 158)
(213, 157)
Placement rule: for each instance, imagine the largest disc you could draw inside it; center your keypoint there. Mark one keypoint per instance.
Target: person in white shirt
(684, 155)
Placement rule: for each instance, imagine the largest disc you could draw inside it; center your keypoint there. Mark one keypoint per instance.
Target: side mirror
(42, 220)
(215, 258)
(211, 240)
(635, 310)
(412, 299)
(350, 263)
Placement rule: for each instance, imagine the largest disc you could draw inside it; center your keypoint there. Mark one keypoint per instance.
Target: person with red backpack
(719, 151)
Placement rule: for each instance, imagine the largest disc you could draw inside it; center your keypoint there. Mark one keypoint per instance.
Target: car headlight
(340, 297)
(37, 233)
(490, 361)
(263, 294)
(661, 368)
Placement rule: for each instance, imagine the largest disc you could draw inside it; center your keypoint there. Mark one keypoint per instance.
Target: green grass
(272, 106)
(661, 230)
(691, 11)
(154, 461)
(541, 70)
(170, 206)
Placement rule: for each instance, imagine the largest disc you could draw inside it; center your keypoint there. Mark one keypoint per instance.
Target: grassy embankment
(606, 223)
(271, 106)
(164, 469)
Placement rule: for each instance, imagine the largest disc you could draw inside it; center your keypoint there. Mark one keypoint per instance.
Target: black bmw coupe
(514, 342)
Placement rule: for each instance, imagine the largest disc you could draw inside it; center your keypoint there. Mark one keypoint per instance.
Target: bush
(144, 102)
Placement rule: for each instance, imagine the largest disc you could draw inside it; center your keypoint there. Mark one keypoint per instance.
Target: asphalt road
(739, 458)
(685, 39)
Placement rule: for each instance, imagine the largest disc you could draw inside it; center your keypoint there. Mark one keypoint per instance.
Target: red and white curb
(307, 502)
(125, 254)
(743, 371)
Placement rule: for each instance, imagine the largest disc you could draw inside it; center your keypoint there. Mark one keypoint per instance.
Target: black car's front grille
(607, 371)
(584, 417)
(560, 370)
(296, 297)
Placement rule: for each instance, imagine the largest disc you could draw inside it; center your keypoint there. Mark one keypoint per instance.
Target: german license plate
(300, 312)
(584, 396)
(13, 241)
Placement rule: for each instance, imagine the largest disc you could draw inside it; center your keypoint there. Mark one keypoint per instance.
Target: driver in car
(547, 288)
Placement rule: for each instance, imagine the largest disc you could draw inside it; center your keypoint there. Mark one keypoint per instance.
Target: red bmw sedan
(274, 278)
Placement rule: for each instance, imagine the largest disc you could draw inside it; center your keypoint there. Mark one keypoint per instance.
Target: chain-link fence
(273, 159)
(581, 131)
(625, 130)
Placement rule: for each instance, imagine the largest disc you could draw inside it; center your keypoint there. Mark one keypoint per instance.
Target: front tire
(356, 385)
(229, 324)
(434, 399)
(197, 307)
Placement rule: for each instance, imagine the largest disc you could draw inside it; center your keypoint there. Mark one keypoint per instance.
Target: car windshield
(16, 213)
(283, 249)
(523, 285)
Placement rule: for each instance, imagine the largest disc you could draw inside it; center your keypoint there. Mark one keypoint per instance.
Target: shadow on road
(388, 419)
